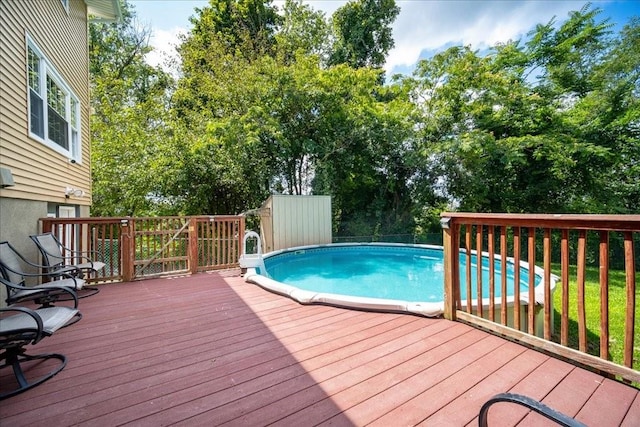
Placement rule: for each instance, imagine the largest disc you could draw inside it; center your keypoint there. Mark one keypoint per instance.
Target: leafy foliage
(363, 33)
(293, 102)
(304, 31)
(527, 127)
(129, 105)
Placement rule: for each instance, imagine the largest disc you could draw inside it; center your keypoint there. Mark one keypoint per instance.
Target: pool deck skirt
(212, 349)
(374, 304)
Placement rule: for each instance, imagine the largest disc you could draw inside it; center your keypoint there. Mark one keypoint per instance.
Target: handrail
(530, 240)
(534, 405)
(137, 247)
(566, 221)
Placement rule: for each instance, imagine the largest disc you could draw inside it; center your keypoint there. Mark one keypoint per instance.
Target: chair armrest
(95, 256)
(53, 249)
(66, 271)
(81, 256)
(50, 272)
(42, 291)
(29, 263)
(529, 403)
(29, 312)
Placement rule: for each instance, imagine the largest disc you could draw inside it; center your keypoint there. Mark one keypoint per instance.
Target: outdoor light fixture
(6, 178)
(75, 192)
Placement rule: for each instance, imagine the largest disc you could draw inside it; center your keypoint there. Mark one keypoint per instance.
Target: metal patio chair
(21, 326)
(59, 258)
(529, 403)
(12, 270)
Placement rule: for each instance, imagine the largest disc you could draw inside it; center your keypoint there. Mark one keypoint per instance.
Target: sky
(423, 27)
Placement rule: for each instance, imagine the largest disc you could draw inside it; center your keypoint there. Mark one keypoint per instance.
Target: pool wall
(429, 309)
(309, 297)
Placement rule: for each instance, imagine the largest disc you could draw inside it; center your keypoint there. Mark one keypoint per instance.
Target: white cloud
(421, 27)
(164, 44)
(434, 25)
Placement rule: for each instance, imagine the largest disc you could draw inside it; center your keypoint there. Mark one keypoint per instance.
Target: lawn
(617, 312)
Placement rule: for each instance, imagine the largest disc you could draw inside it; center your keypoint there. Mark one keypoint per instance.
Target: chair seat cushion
(53, 318)
(75, 284)
(26, 291)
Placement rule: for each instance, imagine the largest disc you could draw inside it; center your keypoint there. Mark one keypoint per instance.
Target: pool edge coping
(375, 304)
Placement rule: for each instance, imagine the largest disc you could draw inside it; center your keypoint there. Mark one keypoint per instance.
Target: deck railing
(134, 248)
(558, 244)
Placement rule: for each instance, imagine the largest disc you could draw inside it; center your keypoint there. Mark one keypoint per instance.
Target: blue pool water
(396, 272)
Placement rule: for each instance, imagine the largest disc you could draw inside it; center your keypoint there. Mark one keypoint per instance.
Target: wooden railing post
(46, 225)
(630, 322)
(451, 276)
(127, 248)
(193, 245)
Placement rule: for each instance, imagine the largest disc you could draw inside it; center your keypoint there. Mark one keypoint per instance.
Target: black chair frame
(534, 405)
(13, 343)
(45, 294)
(58, 261)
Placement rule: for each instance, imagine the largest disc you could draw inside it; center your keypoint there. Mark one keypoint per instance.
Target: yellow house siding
(41, 173)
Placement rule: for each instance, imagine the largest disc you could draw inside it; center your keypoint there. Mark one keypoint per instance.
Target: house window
(54, 111)
(36, 116)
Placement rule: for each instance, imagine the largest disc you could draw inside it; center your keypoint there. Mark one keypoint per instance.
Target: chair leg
(86, 291)
(14, 357)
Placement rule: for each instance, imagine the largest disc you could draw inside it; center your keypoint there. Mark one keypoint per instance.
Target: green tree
(524, 129)
(214, 169)
(245, 27)
(284, 123)
(362, 160)
(128, 122)
(304, 31)
(609, 117)
(567, 55)
(550, 125)
(296, 129)
(363, 34)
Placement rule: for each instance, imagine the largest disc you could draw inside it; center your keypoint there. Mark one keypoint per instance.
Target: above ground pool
(390, 277)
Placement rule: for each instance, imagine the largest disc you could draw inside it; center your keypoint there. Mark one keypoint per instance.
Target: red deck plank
(210, 349)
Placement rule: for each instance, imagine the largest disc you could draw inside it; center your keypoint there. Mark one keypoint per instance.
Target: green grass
(617, 312)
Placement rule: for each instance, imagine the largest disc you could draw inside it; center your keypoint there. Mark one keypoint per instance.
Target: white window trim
(46, 69)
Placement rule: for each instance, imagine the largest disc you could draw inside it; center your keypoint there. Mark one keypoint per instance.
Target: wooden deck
(210, 349)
